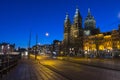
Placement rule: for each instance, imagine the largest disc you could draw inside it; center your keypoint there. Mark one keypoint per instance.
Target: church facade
(88, 39)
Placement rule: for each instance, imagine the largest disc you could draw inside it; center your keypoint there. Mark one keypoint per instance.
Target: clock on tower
(87, 32)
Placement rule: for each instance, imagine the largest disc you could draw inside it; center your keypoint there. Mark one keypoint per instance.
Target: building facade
(56, 47)
(73, 34)
(6, 48)
(88, 40)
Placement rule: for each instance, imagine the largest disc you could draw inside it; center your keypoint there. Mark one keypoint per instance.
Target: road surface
(75, 71)
(46, 68)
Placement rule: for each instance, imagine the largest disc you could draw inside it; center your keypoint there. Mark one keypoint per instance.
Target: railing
(7, 62)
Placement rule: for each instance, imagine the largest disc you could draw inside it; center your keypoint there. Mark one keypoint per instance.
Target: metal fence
(7, 62)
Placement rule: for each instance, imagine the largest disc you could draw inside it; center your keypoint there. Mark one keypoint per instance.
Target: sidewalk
(23, 71)
(112, 64)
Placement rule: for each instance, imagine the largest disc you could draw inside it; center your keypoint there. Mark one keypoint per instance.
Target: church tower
(77, 19)
(90, 25)
(67, 26)
(77, 32)
(90, 22)
(77, 24)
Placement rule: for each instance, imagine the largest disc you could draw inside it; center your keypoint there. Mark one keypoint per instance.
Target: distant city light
(47, 34)
(26, 53)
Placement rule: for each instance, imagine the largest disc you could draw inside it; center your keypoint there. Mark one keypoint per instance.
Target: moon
(46, 34)
(119, 15)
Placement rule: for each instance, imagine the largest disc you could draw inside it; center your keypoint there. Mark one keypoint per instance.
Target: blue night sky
(19, 17)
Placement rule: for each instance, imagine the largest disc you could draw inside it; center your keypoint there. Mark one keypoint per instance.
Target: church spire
(89, 13)
(67, 20)
(89, 22)
(77, 16)
(67, 17)
(77, 13)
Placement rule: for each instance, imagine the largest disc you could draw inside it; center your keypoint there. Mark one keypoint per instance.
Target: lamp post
(36, 51)
(8, 48)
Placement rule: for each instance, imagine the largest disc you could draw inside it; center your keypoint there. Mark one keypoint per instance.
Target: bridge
(62, 68)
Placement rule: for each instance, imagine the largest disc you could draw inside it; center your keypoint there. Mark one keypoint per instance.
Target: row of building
(47, 48)
(6, 47)
(82, 41)
(88, 39)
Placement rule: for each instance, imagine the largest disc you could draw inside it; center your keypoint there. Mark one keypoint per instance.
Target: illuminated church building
(88, 39)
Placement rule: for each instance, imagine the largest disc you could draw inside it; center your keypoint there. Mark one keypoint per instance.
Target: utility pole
(29, 43)
(36, 50)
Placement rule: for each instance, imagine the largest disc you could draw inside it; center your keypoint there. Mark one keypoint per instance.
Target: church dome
(90, 22)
